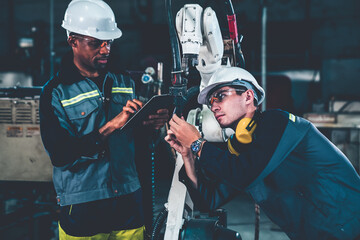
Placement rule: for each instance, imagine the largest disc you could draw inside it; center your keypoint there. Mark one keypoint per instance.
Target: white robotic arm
(211, 52)
(201, 41)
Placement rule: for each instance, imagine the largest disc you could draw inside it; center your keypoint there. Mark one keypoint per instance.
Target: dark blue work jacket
(300, 179)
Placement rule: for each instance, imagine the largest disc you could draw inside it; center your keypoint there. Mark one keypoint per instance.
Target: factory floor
(240, 212)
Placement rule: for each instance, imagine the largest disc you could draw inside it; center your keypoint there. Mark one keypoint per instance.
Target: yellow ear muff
(243, 135)
(244, 130)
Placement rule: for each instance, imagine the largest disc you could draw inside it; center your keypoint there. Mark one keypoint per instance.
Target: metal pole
(263, 49)
(160, 80)
(11, 24)
(51, 38)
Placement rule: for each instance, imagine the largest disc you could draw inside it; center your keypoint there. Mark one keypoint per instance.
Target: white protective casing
(212, 49)
(200, 34)
(188, 27)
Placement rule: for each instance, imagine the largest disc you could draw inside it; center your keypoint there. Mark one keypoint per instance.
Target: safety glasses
(218, 96)
(95, 43)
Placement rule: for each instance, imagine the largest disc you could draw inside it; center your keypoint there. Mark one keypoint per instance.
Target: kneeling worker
(299, 178)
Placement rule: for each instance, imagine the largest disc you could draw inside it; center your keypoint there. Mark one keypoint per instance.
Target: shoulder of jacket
(122, 78)
(51, 85)
(276, 114)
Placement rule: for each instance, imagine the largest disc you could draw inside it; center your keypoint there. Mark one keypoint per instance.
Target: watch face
(195, 147)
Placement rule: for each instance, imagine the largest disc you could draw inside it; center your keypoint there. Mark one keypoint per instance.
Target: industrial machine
(27, 205)
(23, 157)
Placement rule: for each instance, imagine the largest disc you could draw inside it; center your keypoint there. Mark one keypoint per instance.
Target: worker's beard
(99, 66)
(101, 63)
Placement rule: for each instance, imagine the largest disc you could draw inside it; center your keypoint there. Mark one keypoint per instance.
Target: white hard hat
(232, 76)
(92, 18)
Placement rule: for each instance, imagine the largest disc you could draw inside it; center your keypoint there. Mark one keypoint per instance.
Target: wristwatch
(196, 146)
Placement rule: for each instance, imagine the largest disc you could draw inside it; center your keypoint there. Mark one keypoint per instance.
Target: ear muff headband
(231, 148)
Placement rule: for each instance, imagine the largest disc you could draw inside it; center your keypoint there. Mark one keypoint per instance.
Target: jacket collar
(69, 73)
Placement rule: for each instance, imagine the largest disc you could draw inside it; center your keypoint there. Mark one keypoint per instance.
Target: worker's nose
(215, 107)
(105, 48)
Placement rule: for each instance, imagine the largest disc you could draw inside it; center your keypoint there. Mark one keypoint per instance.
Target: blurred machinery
(338, 115)
(15, 79)
(23, 157)
(27, 205)
(341, 125)
(20, 129)
(27, 199)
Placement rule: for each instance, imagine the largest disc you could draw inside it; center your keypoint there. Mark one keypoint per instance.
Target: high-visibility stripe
(292, 117)
(79, 98)
(121, 90)
(91, 94)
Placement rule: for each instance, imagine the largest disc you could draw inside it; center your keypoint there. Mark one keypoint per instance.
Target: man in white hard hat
(82, 109)
(299, 178)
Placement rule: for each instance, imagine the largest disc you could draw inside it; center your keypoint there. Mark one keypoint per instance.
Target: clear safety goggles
(218, 96)
(96, 43)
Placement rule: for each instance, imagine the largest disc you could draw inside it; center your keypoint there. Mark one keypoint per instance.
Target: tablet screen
(155, 103)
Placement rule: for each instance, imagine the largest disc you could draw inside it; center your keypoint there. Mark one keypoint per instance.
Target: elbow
(207, 206)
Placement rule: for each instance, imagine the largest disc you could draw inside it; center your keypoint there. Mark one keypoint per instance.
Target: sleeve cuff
(92, 143)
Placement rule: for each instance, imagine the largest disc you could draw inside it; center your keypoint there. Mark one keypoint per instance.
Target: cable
(159, 222)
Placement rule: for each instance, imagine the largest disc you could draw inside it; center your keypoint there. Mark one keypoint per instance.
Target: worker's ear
(72, 41)
(249, 96)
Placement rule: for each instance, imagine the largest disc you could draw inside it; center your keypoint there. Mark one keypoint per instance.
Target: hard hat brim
(117, 33)
(114, 34)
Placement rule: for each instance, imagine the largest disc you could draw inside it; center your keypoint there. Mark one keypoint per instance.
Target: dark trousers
(103, 216)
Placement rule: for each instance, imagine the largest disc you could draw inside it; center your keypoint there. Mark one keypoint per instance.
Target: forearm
(202, 144)
(238, 171)
(107, 129)
(189, 164)
(119, 120)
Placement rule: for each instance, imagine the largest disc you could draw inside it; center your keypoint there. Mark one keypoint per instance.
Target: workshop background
(313, 70)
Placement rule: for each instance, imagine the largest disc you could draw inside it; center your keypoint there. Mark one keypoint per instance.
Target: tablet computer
(150, 107)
